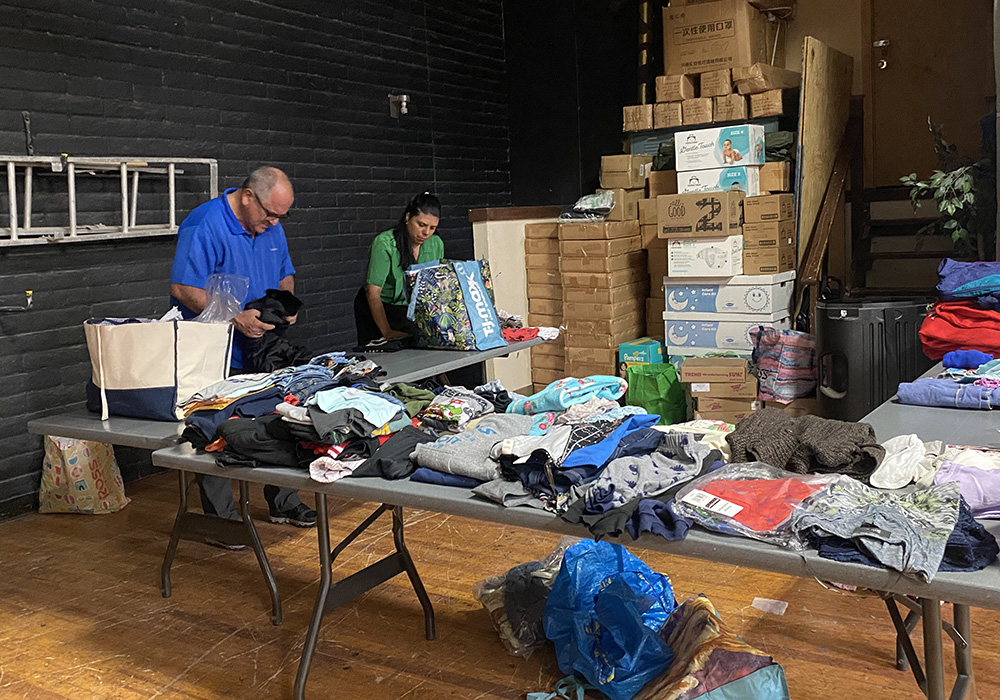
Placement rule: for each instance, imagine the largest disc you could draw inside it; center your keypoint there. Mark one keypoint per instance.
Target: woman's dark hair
(423, 203)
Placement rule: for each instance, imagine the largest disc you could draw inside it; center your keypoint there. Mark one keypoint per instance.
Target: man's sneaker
(299, 516)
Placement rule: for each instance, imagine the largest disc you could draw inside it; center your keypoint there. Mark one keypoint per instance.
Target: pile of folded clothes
(968, 315)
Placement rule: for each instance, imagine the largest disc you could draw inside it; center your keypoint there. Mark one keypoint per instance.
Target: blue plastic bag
(604, 614)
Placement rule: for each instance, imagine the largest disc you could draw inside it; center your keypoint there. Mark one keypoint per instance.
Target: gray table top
(409, 365)
(980, 588)
(956, 426)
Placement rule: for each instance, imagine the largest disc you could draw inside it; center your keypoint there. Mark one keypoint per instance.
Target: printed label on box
(701, 499)
(746, 179)
(720, 147)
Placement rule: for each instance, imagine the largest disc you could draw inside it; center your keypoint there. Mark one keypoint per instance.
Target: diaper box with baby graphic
(745, 178)
(696, 335)
(705, 257)
(742, 294)
(720, 147)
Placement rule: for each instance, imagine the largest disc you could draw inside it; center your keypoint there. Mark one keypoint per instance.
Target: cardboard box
(603, 280)
(549, 320)
(626, 207)
(648, 235)
(555, 347)
(716, 82)
(742, 294)
(552, 290)
(637, 117)
(662, 182)
(769, 261)
(544, 377)
(600, 340)
(768, 207)
(723, 389)
(628, 324)
(699, 214)
(578, 311)
(667, 115)
(605, 295)
(594, 356)
(552, 307)
(600, 248)
(707, 333)
(591, 230)
(718, 403)
(589, 369)
(647, 208)
(654, 324)
(553, 362)
(729, 108)
(541, 261)
(705, 257)
(745, 178)
(774, 103)
(719, 147)
(776, 177)
(731, 370)
(798, 407)
(549, 229)
(600, 264)
(544, 246)
(625, 171)
(656, 304)
(769, 234)
(644, 351)
(713, 35)
(733, 417)
(762, 76)
(656, 258)
(674, 88)
(697, 111)
(538, 275)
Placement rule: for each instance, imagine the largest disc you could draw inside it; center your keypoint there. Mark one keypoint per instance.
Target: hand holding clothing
(249, 324)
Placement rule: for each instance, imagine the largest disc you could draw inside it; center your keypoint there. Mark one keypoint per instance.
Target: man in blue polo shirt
(239, 233)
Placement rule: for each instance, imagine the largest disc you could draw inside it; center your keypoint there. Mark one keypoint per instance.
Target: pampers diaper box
(704, 149)
(745, 178)
(742, 294)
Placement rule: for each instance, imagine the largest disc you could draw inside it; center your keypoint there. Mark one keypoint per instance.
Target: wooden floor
(81, 615)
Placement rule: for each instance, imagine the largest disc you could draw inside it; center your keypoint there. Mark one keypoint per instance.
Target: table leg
(258, 550)
(933, 648)
(965, 684)
(175, 536)
(325, 576)
(411, 571)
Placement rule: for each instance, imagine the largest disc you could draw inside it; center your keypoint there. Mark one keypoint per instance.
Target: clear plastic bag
(226, 294)
(515, 600)
(752, 499)
(590, 207)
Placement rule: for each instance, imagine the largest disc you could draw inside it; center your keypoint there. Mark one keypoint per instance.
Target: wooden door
(928, 58)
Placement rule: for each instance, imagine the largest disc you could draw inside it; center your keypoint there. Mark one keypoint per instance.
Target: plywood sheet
(823, 111)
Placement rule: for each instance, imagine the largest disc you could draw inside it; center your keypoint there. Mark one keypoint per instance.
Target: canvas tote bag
(141, 370)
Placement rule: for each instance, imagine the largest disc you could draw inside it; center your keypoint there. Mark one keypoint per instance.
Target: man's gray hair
(263, 179)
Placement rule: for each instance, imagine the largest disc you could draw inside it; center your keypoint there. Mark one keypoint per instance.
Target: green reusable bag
(657, 388)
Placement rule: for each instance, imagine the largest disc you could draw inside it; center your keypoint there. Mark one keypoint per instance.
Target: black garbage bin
(865, 348)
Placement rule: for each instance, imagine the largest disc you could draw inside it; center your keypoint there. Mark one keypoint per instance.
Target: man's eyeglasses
(270, 214)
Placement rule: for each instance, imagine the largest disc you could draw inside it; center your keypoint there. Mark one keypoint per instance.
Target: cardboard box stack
(722, 387)
(656, 261)
(604, 288)
(541, 248)
(720, 158)
(769, 234)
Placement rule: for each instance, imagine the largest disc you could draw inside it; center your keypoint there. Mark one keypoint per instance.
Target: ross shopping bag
(657, 388)
(80, 476)
(604, 613)
(142, 368)
(451, 306)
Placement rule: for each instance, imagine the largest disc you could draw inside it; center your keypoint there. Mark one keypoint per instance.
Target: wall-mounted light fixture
(398, 104)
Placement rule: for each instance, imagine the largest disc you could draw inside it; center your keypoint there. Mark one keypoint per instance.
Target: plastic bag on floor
(604, 615)
(80, 476)
(515, 600)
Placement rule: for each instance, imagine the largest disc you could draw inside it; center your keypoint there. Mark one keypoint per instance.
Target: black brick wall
(300, 84)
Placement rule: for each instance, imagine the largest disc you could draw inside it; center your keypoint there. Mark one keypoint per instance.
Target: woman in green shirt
(380, 306)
